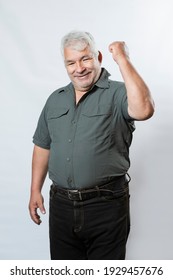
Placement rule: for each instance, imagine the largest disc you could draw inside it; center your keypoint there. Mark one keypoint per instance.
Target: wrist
(35, 190)
(122, 60)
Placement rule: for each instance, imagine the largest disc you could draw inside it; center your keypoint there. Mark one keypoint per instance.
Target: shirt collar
(103, 81)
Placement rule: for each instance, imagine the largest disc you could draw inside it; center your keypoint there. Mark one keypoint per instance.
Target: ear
(100, 57)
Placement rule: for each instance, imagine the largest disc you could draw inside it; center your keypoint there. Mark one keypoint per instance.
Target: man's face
(82, 67)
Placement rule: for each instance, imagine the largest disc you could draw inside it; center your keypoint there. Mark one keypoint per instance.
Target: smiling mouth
(82, 76)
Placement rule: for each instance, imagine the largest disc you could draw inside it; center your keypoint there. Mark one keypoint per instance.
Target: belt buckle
(74, 192)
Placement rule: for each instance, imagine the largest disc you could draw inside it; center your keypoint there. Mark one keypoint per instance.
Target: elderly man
(82, 139)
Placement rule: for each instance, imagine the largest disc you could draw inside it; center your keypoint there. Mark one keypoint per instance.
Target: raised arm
(39, 172)
(140, 102)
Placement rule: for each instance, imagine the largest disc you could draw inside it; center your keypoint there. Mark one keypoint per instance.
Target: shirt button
(68, 159)
(69, 140)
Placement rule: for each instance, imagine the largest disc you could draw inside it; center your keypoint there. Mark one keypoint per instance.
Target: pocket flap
(54, 114)
(98, 111)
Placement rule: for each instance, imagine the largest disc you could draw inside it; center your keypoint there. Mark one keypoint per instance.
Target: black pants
(93, 229)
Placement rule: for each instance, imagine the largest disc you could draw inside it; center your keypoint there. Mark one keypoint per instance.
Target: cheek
(70, 69)
(69, 72)
(95, 67)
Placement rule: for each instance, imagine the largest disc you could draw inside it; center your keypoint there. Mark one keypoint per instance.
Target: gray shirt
(89, 142)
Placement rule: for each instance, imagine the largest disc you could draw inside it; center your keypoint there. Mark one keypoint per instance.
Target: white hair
(79, 40)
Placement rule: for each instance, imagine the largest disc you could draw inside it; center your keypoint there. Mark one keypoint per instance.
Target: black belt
(113, 188)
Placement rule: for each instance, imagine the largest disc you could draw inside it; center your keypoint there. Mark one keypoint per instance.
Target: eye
(70, 63)
(87, 58)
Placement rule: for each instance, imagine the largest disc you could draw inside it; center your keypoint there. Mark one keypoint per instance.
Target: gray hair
(79, 40)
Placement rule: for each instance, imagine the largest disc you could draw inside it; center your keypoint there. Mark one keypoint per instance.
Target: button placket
(70, 152)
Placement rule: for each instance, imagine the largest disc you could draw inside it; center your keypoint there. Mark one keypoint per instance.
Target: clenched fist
(119, 51)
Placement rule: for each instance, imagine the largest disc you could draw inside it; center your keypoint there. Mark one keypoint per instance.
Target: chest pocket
(97, 122)
(57, 123)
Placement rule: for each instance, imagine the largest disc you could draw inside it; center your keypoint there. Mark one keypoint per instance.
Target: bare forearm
(39, 168)
(140, 103)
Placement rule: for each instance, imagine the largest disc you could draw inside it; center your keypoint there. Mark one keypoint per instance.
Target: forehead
(70, 53)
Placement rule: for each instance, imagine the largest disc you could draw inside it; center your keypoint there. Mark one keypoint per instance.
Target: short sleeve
(123, 102)
(41, 136)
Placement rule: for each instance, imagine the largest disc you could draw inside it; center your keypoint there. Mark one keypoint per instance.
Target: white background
(31, 68)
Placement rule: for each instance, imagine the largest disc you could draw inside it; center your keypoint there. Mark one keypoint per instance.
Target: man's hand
(36, 201)
(119, 51)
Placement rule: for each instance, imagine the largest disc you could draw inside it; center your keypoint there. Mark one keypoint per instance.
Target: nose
(79, 67)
